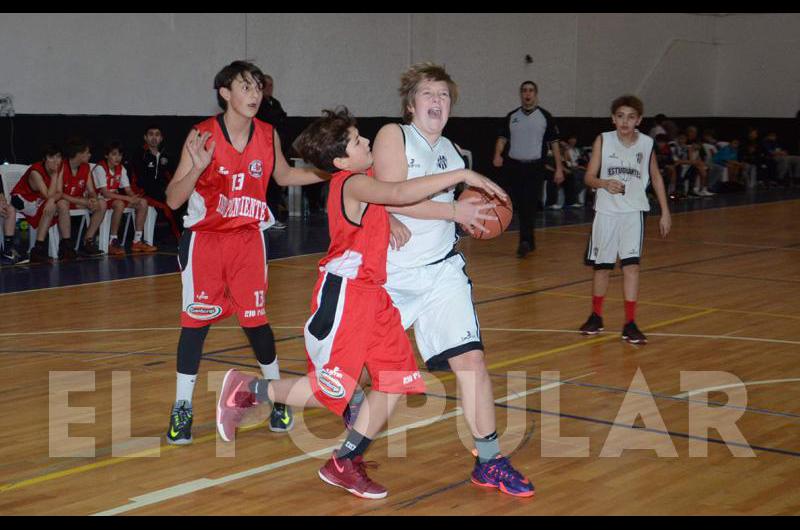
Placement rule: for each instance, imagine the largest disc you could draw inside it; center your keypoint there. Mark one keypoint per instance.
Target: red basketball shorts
(223, 274)
(353, 325)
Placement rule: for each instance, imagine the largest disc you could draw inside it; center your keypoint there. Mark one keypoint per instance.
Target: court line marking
(193, 486)
(94, 465)
(735, 385)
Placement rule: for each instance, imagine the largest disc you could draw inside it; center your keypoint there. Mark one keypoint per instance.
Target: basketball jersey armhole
(359, 224)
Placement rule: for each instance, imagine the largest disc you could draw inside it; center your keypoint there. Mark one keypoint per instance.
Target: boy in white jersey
(623, 162)
(426, 277)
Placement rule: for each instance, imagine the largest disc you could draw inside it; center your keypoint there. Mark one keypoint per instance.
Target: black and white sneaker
(281, 419)
(180, 424)
(593, 325)
(10, 256)
(631, 334)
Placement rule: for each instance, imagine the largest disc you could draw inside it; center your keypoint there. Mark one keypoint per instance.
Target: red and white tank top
(357, 251)
(75, 184)
(112, 180)
(24, 189)
(231, 194)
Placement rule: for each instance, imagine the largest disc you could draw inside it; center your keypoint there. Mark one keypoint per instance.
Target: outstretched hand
(195, 146)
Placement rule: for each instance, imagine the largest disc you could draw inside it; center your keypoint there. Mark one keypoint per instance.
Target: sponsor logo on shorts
(330, 384)
(200, 311)
(467, 336)
(595, 251)
(256, 169)
(202, 296)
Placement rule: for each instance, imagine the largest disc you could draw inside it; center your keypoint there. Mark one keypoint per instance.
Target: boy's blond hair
(418, 73)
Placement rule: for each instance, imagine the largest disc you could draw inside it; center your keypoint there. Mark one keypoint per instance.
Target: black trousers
(525, 179)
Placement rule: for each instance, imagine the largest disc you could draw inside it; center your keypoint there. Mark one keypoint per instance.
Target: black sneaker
(631, 334)
(281, 419)
(593, 325)
(180, 424)
(91, 249)
(39, 254)
(523, 249)
(65, 250)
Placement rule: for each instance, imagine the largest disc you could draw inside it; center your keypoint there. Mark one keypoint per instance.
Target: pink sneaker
(352, 476)
(234, 400)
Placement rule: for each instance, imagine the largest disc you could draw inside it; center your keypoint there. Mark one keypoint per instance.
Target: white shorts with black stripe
(437, 300)
(615, 235)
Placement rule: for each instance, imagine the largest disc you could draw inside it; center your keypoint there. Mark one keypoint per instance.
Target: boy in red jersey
(79, 192)
(39, 197)
(112, 183)
(225, 167)
(353, 323)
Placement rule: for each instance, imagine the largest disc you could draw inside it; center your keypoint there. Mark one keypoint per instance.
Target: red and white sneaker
(352, 476)
(235, 398)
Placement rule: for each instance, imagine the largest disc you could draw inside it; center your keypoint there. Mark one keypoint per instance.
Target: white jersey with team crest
(631, 166)
(431, 240)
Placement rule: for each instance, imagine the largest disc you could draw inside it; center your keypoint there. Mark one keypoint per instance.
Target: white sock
(185, 387)
(137, 236)
(270, 371)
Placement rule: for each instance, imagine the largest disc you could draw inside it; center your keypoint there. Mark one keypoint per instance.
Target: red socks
(597, 305)
(630, 311)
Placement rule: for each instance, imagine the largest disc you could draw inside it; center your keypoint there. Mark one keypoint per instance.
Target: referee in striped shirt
(527, 130)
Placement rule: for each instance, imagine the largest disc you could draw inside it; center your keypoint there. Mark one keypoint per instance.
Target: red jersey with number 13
(231, 194)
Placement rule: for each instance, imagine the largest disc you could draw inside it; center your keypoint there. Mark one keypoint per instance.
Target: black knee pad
(190, 349)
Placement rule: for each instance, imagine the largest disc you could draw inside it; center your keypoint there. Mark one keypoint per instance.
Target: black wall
(31, 131)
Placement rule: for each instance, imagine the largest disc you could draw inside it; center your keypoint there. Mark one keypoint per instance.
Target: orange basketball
(503, 212)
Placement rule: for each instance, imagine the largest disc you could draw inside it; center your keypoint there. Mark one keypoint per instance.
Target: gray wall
(163, 64)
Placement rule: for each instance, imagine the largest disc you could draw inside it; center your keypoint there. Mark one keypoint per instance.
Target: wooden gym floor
(718, 300)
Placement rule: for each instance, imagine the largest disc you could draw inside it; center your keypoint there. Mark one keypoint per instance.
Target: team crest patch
(639, 158)
(330, 384)
(256, 169)
(441, 162)
(200, 311)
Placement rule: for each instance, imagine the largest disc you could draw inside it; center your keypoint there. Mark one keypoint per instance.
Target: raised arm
(195, 158)
(286, 175)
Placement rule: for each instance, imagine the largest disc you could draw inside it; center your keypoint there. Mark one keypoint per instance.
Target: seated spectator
(727, 156)
(110, 178)
(690, 164)
(80, 193)
(152, 171)
(781, 165)
(658, 128)
(575, 161)
(752, 155)
(8, 214)
(39, 197)
(666, 164)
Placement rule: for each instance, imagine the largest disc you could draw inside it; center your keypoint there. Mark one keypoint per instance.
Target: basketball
(503, 212)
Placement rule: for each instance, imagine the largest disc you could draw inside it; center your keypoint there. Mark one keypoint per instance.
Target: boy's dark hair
(326, 139)
(152, 126)
(226, 76)
(628, 101)
(113, 144)
(50, 149)
(535, 87)
(75, 145)
(659, 118)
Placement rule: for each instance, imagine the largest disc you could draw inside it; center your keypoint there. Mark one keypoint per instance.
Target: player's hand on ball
(476, 180)
(399, 234)
(471, 211)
